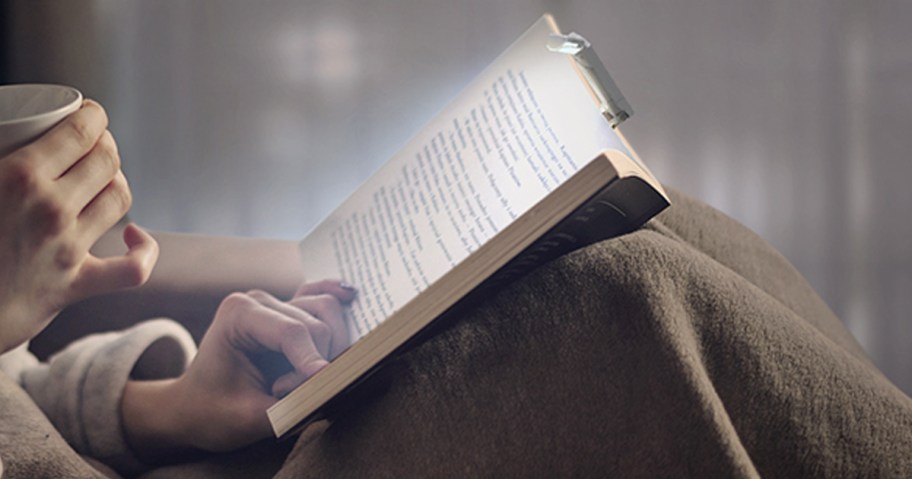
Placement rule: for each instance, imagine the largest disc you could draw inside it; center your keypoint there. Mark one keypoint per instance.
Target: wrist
(153, 421)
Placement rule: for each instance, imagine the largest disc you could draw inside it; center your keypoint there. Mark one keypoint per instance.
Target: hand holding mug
(58, 195)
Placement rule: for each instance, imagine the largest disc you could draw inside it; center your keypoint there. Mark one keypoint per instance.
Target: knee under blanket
(689, 348)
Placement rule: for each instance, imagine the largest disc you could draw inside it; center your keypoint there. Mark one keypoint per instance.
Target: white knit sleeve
(80, 388)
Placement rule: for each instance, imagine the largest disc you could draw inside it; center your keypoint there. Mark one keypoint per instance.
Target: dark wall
(4, 42)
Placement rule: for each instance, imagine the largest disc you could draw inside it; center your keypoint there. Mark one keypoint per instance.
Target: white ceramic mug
(27, 111)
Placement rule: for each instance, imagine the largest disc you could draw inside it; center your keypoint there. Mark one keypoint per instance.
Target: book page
(524, 126)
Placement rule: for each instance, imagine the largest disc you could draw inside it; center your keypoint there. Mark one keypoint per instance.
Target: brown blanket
(689, 348)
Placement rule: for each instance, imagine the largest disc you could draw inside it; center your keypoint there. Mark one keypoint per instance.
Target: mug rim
(55, 111)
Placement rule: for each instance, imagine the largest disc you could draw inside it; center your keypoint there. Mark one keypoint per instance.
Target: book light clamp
(612, 103)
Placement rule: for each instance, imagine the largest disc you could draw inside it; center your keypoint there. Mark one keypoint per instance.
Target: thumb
(104, 275)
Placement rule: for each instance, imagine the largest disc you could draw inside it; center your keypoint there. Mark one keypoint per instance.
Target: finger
(105, 210)
(264, 327)
(98, 276)
(340, 289)
(71, 139)
(321, 333)
(327, 308)
(88, 177)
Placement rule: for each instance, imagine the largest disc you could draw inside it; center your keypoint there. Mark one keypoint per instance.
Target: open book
(524, 165)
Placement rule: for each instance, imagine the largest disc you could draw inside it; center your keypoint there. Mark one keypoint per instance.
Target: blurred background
(256, 118)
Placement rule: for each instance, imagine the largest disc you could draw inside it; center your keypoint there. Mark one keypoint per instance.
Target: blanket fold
(690, 348)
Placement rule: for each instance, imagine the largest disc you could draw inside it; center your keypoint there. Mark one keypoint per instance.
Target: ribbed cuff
(80, 389)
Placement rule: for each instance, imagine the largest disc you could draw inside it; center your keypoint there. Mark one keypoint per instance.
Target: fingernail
(348, 286)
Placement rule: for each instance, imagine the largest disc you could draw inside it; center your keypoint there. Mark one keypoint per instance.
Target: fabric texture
(79, 389)
(689, 348)
(30, 446)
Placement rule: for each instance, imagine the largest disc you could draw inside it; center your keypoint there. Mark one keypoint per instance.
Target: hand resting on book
(218, 403)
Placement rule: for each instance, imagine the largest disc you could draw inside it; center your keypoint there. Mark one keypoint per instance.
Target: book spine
(619, 208)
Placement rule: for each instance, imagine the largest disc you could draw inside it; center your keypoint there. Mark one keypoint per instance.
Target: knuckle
(292, 330)
(109, 146)
(126, 196)
(67, 257)
(328, 300)
(257, 294)
(20, 180)
(120, 195)
(328, 304)
(236, 301)
(232, 307)
(79, 130)
(50, 216)
(107, 154)
(320, 331)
